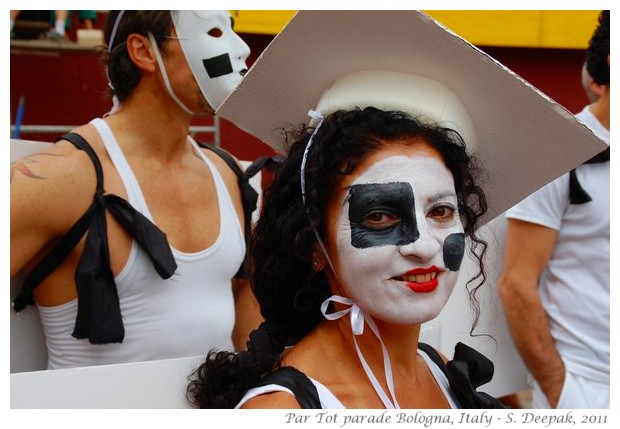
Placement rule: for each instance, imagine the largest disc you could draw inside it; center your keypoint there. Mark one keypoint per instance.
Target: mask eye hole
(215, 32)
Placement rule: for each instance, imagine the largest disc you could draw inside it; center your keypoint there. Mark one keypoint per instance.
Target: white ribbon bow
(357, 327)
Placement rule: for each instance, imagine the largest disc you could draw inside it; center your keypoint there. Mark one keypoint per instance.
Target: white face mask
(400, 240)
(214, 52)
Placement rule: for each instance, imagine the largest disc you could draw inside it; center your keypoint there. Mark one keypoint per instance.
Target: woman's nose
(425, 247)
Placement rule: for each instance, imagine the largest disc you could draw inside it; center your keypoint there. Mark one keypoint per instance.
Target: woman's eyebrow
(441, 196)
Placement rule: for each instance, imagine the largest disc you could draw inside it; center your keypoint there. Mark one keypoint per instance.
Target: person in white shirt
(555, 284)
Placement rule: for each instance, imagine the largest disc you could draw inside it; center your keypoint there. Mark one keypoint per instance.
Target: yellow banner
(570, 29)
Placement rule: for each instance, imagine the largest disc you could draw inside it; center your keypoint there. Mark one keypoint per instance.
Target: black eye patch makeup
(394, 200)
(453, 251)
(218, 66)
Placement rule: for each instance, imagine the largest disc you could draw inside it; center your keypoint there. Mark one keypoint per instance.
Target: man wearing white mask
(153, 266)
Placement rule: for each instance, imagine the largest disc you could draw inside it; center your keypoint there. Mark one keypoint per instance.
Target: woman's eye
(441, 213)
(215, 32)
(380, 220)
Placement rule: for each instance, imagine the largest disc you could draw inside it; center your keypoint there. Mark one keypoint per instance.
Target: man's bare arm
(247, 313)
(528, 250)
(48, 193)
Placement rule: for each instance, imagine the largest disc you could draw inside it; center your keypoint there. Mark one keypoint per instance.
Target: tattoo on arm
(22, 166)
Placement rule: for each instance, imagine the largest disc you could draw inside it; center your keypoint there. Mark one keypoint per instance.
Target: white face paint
(383, 267)
(214, 52)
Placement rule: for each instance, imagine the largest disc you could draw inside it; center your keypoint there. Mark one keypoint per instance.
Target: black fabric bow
(98, 316)
(466, 372)
(576, 194)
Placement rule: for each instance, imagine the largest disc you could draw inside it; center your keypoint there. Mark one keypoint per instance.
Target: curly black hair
(598, 51)
(287, 288)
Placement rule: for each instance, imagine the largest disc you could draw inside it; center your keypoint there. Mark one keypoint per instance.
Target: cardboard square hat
(523, 138)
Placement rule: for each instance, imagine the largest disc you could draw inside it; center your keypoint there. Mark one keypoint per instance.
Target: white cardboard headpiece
(523, 138)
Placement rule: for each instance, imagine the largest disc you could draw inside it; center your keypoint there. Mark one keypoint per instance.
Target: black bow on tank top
(99, 315)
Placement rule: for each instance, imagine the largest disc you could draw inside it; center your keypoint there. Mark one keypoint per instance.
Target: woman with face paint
(150, 267)
(350, 271)
(364, 230)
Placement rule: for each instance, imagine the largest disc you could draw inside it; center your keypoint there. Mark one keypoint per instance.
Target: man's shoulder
(545, 206)
(227, 165)
(57, 180)
(48, 159)
(587, 117)
(221, 156)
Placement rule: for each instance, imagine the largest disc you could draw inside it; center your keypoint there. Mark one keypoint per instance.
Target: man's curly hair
(598, 51)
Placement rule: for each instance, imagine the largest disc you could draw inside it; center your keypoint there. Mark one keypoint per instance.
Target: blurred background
(57, 85)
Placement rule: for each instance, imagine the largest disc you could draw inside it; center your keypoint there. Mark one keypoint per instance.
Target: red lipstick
(430, 276)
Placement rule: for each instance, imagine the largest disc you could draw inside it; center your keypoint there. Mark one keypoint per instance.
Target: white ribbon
(357, 327)
(114, 28)
(302, 170)
(302, 175)
(164, 74)
(115, 102)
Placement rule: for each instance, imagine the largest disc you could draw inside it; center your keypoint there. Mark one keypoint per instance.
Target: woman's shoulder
(288, 386)
(269, 397)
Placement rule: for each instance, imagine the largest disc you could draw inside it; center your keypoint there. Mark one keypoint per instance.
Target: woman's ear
(141, 52)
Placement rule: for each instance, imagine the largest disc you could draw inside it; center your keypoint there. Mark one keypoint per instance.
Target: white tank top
(328, 399)
(185, 315)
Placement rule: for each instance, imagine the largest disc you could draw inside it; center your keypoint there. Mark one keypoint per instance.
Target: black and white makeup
(398, 236)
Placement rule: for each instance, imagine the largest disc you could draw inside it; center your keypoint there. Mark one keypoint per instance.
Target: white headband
(115, 101)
